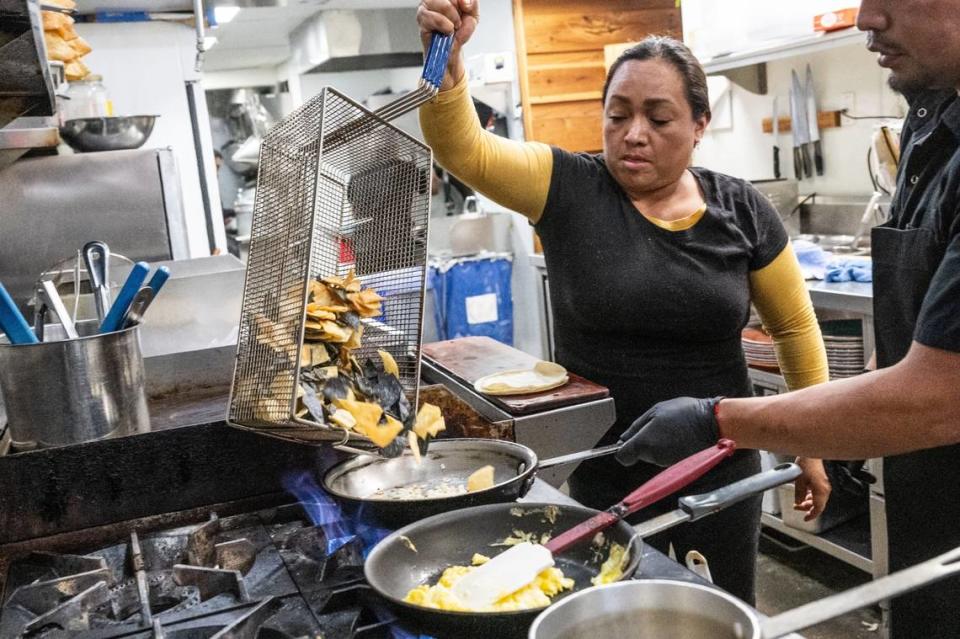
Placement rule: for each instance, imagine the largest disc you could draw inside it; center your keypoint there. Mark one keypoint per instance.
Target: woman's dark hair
(676, 53)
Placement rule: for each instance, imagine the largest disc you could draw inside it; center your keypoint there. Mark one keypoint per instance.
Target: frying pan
(354, 481)
(420, 552)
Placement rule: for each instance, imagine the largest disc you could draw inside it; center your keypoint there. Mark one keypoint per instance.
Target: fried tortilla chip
(389, 364)
(348, 283)
(322, 296)
(313, 354)
(429, 421)
(381, 434)
(272, 334)
(318, 315)
(366, 414)
(343, 419)
(355, 338)
(366, 302)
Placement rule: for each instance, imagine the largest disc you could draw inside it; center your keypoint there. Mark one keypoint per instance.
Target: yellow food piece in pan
(480, 479)
(612, 568)
(536, 594)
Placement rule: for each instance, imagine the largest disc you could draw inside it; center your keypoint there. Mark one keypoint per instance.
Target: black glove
(671, 431)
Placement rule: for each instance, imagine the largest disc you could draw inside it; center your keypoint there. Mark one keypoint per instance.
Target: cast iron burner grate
(264, 575)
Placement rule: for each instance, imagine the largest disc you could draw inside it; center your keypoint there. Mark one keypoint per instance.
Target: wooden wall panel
(574, 126)
(551, 32)
(564, 79)
(560, 60)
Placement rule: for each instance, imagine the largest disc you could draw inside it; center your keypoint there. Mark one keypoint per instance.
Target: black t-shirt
(928, 196)
(649, 312)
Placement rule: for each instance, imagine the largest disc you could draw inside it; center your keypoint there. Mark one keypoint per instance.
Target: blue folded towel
(849, 270)
(812, 259)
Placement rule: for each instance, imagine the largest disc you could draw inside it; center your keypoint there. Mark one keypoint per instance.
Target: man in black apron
(909, 410)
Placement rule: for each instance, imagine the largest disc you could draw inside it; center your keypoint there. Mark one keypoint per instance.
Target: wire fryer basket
(361, 203)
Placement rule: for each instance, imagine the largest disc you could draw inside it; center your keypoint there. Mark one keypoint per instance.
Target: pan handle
(892, 585)
(667, 482)
(698, 506)
(580, 456)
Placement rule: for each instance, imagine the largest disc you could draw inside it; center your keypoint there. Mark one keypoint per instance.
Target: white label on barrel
(482, 308)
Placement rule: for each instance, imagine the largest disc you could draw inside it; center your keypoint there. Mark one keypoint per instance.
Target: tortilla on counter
(542, 377)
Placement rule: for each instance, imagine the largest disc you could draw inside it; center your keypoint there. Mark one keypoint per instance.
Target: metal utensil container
(72, 391)
(338, 189)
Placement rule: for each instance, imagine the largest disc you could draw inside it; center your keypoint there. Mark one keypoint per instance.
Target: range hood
(356, 40)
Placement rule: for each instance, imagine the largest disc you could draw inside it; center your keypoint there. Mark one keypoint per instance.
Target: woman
(653, 266)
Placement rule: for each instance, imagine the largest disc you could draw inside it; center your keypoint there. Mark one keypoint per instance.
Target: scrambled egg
(536, 594)
(612, 568)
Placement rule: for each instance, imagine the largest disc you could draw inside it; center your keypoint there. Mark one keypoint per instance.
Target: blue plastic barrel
(472, 296)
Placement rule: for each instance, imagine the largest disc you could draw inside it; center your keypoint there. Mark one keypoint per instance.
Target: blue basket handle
(438, 54)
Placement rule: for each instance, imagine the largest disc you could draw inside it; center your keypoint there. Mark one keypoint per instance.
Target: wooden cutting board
(470, 358)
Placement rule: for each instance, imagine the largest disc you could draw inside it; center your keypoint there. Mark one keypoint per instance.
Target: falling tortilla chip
(381, 434)
(389, 364)
(343, 418)
(429, 421)
(366, 414)
(414, 447)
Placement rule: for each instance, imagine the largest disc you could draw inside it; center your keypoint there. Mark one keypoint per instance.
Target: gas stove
(270, 574)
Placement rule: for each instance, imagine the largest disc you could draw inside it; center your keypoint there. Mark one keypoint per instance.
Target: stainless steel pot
(679, 610)
(74, 390)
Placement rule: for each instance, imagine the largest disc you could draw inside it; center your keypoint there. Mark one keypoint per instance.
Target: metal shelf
(784, 49)
(849, 542)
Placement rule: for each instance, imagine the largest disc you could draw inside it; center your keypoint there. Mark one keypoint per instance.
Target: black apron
(922, 504)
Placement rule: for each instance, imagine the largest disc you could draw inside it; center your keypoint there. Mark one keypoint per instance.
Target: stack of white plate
(844, 342)
(758, 348)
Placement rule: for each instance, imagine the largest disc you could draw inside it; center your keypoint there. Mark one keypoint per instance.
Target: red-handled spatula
(519, 565)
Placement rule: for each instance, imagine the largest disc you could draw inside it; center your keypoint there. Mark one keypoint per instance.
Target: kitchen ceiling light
(223, 15)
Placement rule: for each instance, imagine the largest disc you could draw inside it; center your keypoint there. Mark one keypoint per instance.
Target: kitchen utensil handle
(870, 593)
(698, 506)
(113, 320)
(435, 62)
(582, 455)
(776, 162)
(664, 483)
(677, 476)
(807, 162)
(159, 278)
(141, 301)
(818, 157)
(96, 256)
(12, 321)
(797, 163)
(54, 302)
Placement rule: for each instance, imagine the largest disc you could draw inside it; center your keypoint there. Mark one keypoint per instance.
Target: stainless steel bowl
(107, 134)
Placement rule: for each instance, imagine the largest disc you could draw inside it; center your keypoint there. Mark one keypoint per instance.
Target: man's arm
(912, 405)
